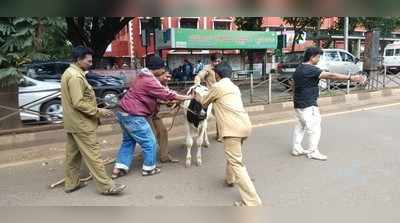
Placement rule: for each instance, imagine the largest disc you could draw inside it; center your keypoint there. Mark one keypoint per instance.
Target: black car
(108, 89)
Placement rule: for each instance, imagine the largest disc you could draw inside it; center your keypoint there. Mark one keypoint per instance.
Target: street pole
(346, 33)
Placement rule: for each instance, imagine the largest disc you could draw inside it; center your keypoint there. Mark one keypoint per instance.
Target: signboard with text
(216, 39)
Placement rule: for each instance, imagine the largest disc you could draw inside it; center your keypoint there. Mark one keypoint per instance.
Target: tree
(54, 38)
(250, 24)
(300, 24)
(95, 32)
(18, 41)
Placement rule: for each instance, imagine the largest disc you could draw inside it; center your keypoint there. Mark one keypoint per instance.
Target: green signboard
(215, 39)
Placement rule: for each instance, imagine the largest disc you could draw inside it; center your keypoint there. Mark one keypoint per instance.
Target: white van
(391, 57)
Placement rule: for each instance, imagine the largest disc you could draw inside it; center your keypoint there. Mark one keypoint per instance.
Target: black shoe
(80, 186)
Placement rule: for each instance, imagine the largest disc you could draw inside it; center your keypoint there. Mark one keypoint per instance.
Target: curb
(42, 135)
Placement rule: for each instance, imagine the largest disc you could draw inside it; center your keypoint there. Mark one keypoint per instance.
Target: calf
(196, 124)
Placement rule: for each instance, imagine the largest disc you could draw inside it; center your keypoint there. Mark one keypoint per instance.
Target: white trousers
(309, 124)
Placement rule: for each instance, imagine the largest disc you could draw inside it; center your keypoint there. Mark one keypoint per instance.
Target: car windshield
(292, 58)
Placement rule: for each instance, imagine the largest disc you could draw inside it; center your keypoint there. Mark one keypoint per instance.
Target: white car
(332, 60)
(339, 61)
(39, 97)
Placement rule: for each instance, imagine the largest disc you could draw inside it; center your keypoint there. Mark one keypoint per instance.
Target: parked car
(107, 88)
(39, 97)
(332, 60)
(339, 61)
(391, 57)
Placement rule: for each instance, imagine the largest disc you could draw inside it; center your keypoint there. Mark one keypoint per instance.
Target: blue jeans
(136, 129)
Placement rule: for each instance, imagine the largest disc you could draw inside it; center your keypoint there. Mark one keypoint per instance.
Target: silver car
(40, 100)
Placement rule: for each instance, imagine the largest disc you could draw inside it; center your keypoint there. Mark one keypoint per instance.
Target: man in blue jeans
(137, 107)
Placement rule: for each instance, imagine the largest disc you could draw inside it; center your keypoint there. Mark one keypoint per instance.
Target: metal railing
(277, 88)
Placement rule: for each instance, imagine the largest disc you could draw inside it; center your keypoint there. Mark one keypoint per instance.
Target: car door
(388, 58)
(349, 64)
(396, 59)
(332, 61)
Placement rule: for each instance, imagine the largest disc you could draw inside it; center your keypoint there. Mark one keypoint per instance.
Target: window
(222, 25)
(331, 56)
(45, 70)
(189, 23)
(346, 57)
(397, 52)
(389, 52)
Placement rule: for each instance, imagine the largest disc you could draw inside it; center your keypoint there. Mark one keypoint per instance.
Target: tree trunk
(294, 41)
(9, 99)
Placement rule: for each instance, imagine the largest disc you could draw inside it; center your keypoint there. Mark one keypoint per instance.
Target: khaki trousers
(84, 145)
(161, 133)
(236, 171)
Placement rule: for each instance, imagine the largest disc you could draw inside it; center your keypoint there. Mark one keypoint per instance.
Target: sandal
(115, 190)
(151, 172)
(120, 173)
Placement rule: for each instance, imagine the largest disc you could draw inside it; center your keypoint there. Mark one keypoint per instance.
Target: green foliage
(301, 24)
(16, 41)
(249, 23)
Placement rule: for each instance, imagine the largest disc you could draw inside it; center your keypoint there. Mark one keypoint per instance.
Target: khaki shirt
(78, 101)
(231, 116)
(207, 75)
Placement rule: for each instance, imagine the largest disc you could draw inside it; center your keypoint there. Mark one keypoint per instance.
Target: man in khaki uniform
(81, 117)
(159, 129)
(161, 133)
(234, 126)
(208, 75)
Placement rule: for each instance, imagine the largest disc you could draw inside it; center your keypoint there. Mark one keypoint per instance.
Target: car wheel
(53, 110)
(110, 99)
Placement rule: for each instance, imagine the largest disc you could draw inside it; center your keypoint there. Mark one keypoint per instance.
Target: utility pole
(346, 33)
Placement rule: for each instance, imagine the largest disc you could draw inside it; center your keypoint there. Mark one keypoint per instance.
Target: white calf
(196, 125)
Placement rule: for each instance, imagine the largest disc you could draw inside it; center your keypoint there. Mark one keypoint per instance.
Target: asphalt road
(363, 169)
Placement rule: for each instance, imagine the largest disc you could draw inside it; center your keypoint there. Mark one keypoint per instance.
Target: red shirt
(141, 98)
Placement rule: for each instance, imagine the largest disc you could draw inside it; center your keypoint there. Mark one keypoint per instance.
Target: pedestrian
(81, 118)
(234, 126)
(188, 70)
(199, 66)
(306, 92)
(137, 107)
(207, 75)
(159, 128)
